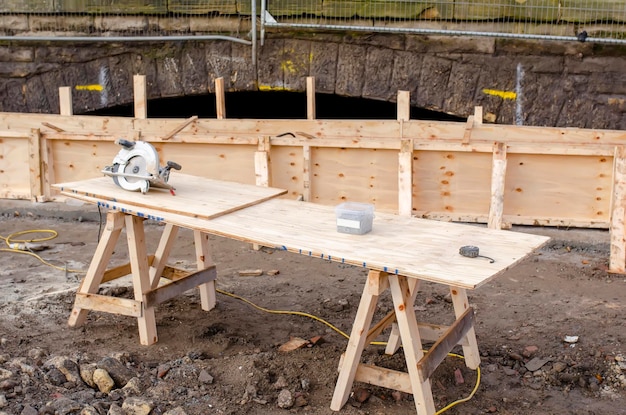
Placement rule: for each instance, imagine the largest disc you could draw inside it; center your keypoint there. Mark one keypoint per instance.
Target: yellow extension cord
(9, 240)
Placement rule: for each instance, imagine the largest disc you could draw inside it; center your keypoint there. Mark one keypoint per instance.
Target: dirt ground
(524, 317)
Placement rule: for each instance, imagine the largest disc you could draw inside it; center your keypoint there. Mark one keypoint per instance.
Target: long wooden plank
(201, 198)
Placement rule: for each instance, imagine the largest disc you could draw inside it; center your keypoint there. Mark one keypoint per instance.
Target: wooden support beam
(404, 107)
(461, 304)
(405, 178)
(65, 101)
(108, 304)
(262, 163)
(180, 127)
(356, 343)
(427, 364)
(386, 378)
(220, 99)
(136, 239)
(498, 176)
(306, 172)
(310, 98)
(617, 230)
(175, 288)
(204, 261)
(166, 243)
(468, 130)
(34, 165)
(140, 96)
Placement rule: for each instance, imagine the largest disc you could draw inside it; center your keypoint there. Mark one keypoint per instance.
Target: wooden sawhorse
(420, 366)
(146, 273)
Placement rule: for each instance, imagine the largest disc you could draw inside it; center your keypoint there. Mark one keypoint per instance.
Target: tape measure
(471, 251)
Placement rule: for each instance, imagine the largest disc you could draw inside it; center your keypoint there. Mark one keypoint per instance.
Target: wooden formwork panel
(455, 184)
(14, 168)
(553, 187)
(287, 170)
(357, 175)
(233, 163)
(79, 159)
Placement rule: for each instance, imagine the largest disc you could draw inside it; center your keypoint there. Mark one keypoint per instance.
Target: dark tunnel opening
(274, 105)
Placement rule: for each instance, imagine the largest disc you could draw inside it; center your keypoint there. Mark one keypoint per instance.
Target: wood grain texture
(195, 197)
(406, 246)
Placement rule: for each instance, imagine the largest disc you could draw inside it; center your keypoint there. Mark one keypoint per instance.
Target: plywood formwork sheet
(337, 173)
(14, 168)
(451, 183)
(553, 186)
(287, 170)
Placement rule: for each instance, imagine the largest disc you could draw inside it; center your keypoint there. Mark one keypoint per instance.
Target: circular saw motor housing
(136, 167)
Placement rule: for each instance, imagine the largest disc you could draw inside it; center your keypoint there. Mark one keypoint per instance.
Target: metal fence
(569, 20)
(127, 20)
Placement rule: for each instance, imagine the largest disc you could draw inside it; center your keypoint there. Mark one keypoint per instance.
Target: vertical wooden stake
(140, 96)
(498, 175)
(262, 168)
(65, 101)
(405, 158)
(310, 98)
(306, 172)
(261, 163)
(478, 116)
(220, 99)
(617, 261)
(404, 106)
(34, 164)
(405, 178)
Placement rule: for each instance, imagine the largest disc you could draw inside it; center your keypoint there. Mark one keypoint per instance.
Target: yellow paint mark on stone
(266, 88)
(94, 87)
(501, 94)
(288, 66)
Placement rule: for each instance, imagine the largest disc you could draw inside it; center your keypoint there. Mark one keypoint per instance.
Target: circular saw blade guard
(136, 167)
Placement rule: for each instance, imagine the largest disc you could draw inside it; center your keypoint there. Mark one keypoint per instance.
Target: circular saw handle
(174, 165)
(125, 143)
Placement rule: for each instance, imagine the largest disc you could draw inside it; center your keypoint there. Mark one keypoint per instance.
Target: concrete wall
(517, 82)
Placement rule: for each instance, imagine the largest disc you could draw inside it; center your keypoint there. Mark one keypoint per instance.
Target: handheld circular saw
(136, 167)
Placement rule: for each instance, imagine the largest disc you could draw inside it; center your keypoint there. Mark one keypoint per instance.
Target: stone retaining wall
(524, 82)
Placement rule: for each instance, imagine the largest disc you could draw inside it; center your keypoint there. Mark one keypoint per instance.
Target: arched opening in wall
(275, 105)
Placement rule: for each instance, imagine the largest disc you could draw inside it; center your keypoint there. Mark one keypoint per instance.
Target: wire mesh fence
(590, 20)
(582, 20)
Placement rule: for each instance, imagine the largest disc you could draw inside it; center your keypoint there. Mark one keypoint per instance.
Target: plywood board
(14, 168)
(356, 175)
(74, 160)
(287, 170)
(454, 183)
(196, 197)
(216, 161)
(574, 187)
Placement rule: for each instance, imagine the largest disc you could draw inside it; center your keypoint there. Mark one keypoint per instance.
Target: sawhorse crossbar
(146, 273)
(407, 331)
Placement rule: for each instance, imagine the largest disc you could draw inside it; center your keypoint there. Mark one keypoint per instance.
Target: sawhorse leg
(420, 366)
(146, 274)
(95, 272)
(470, 346)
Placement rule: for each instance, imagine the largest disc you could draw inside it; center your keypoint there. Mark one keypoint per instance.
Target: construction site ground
(551, 330)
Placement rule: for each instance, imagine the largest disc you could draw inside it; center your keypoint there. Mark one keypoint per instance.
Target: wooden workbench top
(194, 196)
(413, 247)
